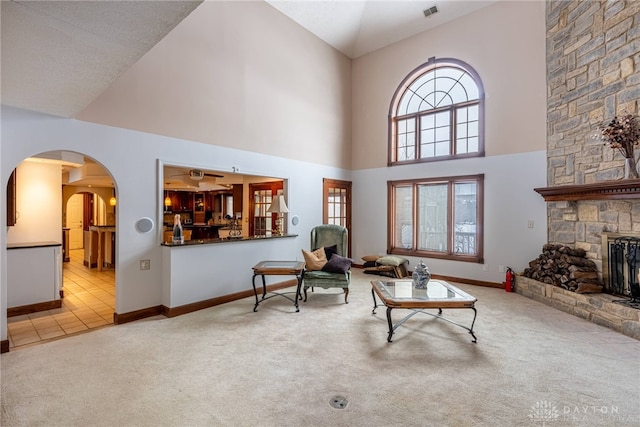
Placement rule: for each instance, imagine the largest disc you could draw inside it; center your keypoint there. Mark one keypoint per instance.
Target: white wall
(238, 74)
(509, 203)
(38, 205)
(508, 52)
(198, 273)
(132, 159)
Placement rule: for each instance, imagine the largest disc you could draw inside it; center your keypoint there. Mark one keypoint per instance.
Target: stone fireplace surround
(593, 74)
(590, 209)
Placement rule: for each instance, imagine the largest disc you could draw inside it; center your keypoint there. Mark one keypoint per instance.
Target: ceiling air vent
(430, 11)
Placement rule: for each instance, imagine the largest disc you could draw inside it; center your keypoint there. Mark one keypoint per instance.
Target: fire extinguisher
(509, 280)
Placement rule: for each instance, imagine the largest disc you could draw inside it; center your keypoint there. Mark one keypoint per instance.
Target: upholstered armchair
(327, 266)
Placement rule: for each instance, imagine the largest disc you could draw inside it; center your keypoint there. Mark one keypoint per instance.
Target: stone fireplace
(593, 74)
(588, 217)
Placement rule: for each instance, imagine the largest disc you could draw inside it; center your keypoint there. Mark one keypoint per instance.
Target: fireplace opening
(623, 268)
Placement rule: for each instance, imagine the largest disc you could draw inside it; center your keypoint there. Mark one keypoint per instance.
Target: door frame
(327, 184)
(274, 186)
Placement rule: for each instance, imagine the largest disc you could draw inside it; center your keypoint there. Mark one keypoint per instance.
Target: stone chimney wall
(593, 73)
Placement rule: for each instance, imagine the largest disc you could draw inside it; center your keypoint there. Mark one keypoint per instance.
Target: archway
(44, 185)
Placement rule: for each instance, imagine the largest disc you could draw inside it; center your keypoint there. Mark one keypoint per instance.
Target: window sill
(437, 255)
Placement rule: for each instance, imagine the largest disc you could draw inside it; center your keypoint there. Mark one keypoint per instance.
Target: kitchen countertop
(199, 242)
(32, 245)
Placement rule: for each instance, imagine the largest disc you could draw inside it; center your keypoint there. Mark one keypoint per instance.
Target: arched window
(437, 113)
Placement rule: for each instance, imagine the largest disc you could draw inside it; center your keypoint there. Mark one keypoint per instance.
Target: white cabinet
(34, 273)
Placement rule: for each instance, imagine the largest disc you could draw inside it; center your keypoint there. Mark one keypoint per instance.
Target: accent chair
(328, 266)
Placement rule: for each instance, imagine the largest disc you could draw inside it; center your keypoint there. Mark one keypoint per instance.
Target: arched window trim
(407, 82)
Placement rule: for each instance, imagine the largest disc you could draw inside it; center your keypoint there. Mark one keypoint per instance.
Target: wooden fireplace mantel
(607, 190)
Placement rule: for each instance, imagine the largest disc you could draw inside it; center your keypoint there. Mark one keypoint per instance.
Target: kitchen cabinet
(101, 240)
(90, 250)
(198, 208)
(12, 214)
(180, 201)
(66, 255)
(29, 287)
(226, 201)
(237, 198)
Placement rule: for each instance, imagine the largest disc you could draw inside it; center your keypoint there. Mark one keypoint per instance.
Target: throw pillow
(392, 260)
(330, 250)
(337, 264)
(314, 260)
(371, 257)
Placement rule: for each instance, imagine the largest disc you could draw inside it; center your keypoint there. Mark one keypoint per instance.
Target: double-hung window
(437, 217)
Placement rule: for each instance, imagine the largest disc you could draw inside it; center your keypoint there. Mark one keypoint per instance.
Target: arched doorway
(47, 186)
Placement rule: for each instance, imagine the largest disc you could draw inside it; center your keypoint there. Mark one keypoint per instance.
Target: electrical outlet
(501, 269)
(530, 223)
(145, 264)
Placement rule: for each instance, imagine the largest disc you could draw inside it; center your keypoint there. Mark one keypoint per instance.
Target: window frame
(414, 75)
(450, 254)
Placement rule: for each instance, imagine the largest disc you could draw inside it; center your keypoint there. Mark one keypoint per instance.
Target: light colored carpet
(229, 366)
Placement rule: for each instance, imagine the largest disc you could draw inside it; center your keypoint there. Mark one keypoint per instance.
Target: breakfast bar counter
(196, 242)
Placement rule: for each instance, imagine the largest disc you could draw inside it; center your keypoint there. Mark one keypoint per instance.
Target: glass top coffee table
(438, 295)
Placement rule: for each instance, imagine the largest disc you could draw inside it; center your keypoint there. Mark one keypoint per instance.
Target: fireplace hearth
(564, 278)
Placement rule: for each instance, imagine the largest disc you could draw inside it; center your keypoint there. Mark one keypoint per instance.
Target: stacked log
(565, 267)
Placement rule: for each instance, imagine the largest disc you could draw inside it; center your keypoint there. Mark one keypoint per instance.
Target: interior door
(74, 221)
(261, 222)
(336, 207)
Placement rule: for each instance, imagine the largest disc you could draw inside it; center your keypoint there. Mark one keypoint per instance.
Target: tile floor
(88, 303)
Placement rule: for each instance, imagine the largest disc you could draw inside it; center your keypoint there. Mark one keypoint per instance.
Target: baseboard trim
(34, 308)
(468, 281)
(4, 346)
(189, 308)
(120, 318)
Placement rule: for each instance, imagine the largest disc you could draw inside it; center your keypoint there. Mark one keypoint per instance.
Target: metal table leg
(255, 292)
(393, 327)
(298, 293)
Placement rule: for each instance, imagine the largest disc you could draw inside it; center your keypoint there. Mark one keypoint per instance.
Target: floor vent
(338, 402)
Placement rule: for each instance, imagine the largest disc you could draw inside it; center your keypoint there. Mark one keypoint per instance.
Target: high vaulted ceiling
(358, 27)
(58, 56)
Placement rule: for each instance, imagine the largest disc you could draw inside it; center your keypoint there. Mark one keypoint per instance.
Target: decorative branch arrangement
(621, 133)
